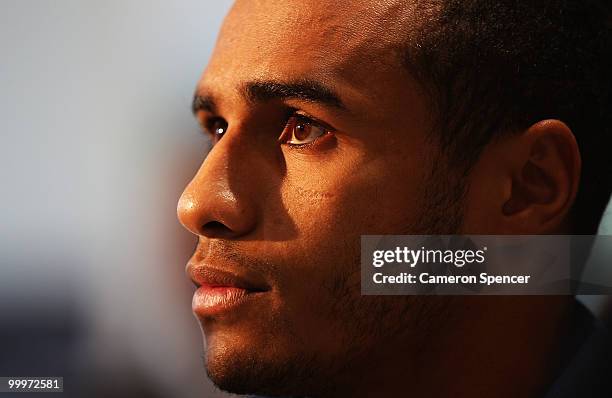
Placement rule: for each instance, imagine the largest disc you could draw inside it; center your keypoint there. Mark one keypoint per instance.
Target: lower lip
(210, 300)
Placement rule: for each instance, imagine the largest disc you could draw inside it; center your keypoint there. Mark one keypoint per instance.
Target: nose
(219, 202)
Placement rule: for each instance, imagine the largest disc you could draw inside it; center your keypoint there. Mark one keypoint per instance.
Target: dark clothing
(588, 370)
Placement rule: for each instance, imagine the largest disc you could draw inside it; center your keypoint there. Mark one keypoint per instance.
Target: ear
(532, 180)
(545, 179)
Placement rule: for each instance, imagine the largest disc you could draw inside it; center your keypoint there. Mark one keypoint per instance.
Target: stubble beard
(363, 323)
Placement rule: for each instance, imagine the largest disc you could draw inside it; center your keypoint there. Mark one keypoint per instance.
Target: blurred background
(97, 143)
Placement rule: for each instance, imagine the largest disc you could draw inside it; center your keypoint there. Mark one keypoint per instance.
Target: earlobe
(545, 179)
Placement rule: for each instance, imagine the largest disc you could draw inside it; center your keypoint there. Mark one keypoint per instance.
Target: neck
(500, 346)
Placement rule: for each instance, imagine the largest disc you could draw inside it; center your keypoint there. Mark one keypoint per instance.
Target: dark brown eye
(301, 130)
(216, 127)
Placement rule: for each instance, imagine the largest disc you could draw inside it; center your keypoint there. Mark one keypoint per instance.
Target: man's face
(325, 138)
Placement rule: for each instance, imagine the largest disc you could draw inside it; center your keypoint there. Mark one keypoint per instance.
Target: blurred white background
(97, 143)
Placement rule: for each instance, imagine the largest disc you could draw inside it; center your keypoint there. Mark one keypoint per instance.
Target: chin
(239, 366)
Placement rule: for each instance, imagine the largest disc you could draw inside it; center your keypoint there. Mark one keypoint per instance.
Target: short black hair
(497, 67)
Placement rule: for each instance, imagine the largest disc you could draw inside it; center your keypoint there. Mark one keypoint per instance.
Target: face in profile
(320, 136)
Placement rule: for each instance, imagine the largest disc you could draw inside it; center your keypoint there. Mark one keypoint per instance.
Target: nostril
(215, 229)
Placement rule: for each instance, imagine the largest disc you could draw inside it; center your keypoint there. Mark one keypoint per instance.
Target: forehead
(332, 41)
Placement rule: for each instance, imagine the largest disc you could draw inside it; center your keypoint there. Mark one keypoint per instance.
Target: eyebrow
(305, 90)
(204, 102)
(266, 90)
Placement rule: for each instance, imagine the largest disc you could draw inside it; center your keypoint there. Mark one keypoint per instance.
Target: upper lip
(202, 274)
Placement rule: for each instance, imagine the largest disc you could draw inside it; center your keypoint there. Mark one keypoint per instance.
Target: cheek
(355, 198)
(330, 207)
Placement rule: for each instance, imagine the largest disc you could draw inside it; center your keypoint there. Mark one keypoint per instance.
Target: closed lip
(206, 275)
